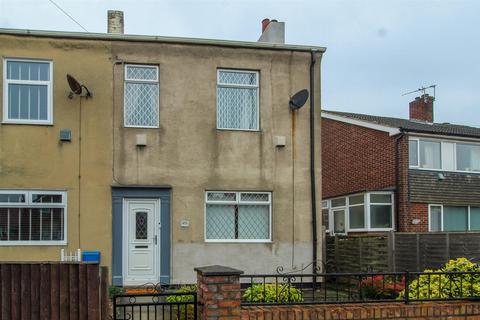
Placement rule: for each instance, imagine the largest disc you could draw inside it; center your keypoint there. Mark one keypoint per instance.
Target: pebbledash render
(408, 175)
(186, 154)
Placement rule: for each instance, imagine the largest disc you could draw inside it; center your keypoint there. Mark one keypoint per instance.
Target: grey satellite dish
(77, 88)
(298, 99)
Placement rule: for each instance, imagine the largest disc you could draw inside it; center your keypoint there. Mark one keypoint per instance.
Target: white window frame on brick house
(367, 211)
(448, 153)
(255, 87)
(442, 216)
(44, 83)
(238, 202)
(29, 203)
(326, 206)
(139, 81)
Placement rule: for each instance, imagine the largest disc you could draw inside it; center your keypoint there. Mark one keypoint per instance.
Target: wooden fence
(398, 251)
(53, 291)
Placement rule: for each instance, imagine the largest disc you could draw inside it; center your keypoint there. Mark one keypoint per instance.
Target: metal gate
(161, 306)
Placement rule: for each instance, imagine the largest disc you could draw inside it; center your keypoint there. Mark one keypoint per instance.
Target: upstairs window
(27, 91)
(468, 157)
(32, 217)
(141, 96)
(237, 100)
(447, 155)
(238, 216)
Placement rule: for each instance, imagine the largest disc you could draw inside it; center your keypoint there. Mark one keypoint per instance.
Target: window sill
(440, 170)
(141, 127)
(32, 243)
(241, 130)
(33, 123)
(239, 241)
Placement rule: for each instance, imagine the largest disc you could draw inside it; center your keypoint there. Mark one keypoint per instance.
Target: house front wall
(189, 154)
(33, 157)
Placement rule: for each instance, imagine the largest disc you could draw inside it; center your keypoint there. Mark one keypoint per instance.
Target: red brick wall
(417, 211)
(428, 310)
(355, 159)
(422, 108)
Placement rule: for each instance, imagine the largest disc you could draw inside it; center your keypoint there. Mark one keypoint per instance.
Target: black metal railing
(321, 288)
(157, 305)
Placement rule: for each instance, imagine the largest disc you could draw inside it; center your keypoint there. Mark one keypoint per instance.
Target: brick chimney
(422, 108)
(115, 21)
(272, 31)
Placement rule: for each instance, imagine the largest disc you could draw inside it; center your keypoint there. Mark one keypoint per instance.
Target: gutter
(158, 39)
(313, 60)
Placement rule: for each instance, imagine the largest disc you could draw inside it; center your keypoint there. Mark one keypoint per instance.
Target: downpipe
(313, 60)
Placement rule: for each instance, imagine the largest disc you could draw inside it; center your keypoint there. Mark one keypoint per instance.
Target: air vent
(65, 135)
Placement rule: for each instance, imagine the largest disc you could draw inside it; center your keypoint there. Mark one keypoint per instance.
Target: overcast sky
(376, 50)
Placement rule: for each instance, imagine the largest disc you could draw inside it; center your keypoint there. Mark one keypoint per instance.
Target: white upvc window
(27, 91)
(141, 96)
(371, 211)
(238, 216)
(238, 100)
(444, 155)
(325, 216)
(33, 217)
(453, 218)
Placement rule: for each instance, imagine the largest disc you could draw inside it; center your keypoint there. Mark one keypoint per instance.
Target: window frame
(244, 86)
(30, 204)
(49, 84)
(366, 213)
(129, 80)
(442, 141)
(442, 217)
(237, 202)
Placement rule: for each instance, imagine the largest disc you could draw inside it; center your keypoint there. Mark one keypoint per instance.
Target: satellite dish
(298, 99)
(76, 87)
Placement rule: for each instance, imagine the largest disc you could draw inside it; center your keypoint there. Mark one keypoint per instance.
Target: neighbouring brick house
(382, 173)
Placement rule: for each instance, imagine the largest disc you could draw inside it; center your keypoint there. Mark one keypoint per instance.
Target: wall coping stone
(217, 270)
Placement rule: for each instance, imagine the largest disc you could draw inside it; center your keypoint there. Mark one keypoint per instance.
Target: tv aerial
(423, 90)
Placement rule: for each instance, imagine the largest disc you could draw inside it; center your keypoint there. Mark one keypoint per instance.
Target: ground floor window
(238, 216)
(370, 211)
(454, 218)
(32, 217)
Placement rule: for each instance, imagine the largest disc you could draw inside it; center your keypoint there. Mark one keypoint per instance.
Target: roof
(411, 125)
(160, 39)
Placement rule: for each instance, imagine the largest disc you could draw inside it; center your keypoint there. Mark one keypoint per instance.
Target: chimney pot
(422, 108)
(265, 23)
(115, 21)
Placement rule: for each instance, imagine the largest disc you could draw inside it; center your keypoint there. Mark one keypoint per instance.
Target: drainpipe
(313, 60)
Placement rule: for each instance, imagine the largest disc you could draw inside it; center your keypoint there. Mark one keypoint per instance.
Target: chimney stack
(272, 31)
(115, 21)
(422, 108)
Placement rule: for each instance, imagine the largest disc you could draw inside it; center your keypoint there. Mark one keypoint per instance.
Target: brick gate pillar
(218, 293)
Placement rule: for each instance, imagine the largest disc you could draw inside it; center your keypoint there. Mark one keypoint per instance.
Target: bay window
(32, 217)
(372, 211)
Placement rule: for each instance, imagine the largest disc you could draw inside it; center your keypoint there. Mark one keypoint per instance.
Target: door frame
(125, 241)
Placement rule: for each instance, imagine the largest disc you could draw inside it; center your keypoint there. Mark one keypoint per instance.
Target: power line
(66, 13)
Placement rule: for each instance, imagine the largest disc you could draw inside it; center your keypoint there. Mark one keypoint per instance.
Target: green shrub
(180, 313)
(113, 290)
(446, 286)
(272, 293)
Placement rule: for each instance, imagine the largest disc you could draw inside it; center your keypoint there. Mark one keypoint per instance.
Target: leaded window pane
(237, 100)
(253, 222)
(141, 104)
(220, 221)
(254, 197)
(221, 196)
(141, 73)
(141, 225)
